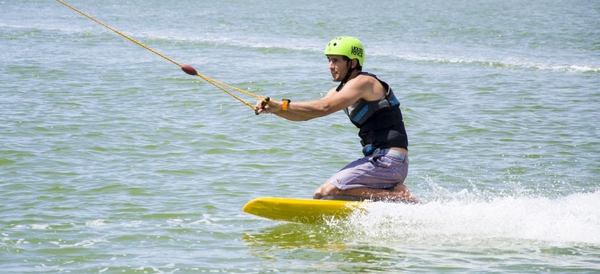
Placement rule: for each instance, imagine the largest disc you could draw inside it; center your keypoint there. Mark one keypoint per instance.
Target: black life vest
(380, 122)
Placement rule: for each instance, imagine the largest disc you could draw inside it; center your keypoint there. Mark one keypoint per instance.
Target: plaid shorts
(383, 169)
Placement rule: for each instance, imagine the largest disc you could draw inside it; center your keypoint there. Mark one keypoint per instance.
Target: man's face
(338, 66)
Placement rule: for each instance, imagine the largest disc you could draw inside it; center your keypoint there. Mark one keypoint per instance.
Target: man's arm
(306, 110)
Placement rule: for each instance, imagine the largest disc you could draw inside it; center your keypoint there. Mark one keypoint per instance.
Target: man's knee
(325, 189)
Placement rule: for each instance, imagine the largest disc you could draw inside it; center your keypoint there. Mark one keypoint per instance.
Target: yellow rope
(218, 84)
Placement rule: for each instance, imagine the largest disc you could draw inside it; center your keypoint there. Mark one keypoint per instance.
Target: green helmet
(346, 46)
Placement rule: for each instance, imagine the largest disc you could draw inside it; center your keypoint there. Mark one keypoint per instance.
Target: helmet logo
(357, 51)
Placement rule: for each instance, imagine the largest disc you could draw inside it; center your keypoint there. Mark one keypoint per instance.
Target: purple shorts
(384, 169)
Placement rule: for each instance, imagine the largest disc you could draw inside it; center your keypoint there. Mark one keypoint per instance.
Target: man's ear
(354, 64)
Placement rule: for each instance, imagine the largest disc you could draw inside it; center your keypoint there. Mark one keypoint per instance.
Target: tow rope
(228, 89)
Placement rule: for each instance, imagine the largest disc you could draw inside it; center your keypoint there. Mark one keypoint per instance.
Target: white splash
(573, 218)
(95, 223)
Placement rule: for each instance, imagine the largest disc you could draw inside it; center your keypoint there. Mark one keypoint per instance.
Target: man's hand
(263, 106)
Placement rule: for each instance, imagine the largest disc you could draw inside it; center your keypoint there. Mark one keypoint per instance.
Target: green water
(114, 161)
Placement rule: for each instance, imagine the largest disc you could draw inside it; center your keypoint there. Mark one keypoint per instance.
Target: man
(372, 107)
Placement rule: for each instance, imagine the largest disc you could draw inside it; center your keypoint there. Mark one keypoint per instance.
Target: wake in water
(571, 219)
(516, 63)
(493, 59)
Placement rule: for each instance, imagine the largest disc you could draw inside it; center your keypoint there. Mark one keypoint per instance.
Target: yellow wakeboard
(308, 211)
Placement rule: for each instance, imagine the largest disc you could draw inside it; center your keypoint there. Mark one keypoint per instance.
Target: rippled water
(112, 160)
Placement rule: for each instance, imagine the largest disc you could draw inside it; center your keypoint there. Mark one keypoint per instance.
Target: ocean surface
(114, 161)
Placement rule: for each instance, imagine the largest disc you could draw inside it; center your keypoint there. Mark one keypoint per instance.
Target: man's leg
(399, 193)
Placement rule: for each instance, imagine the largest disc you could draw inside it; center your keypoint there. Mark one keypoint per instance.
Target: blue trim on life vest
(393, 101)
(359, 115)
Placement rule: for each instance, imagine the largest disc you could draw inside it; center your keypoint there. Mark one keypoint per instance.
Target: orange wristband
(285, 104)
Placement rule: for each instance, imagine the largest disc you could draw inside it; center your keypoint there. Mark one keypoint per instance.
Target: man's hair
(358, 66)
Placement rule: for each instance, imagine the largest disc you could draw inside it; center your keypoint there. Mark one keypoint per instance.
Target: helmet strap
(349, 72)
(347, 77)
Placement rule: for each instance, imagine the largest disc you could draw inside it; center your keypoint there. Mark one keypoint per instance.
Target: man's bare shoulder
(370, 87)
